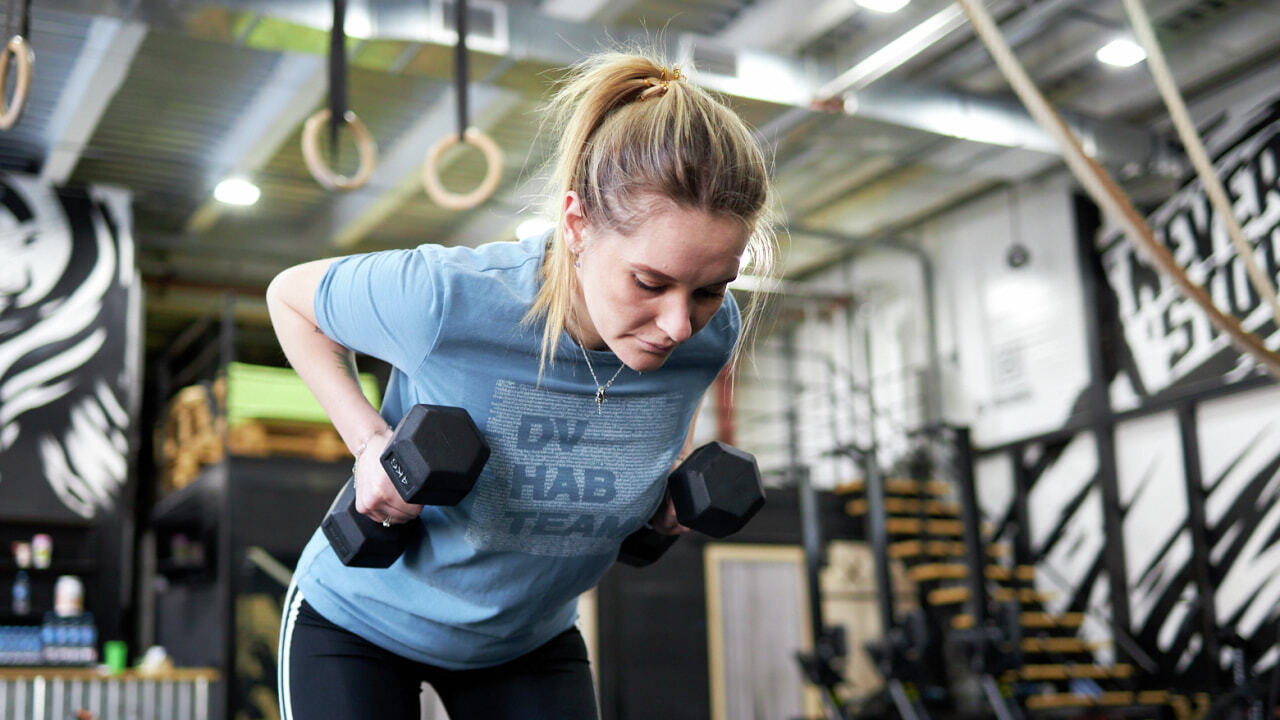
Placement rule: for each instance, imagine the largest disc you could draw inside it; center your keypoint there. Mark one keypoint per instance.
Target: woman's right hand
(376, 496)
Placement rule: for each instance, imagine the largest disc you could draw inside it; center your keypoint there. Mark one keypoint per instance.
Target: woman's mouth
(655, 348)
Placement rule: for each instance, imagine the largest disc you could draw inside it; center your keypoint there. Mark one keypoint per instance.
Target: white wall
(1011, 341)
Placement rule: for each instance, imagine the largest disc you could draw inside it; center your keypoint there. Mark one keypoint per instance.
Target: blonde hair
(629, 127)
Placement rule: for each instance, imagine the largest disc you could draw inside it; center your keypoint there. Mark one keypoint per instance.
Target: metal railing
(57, 694)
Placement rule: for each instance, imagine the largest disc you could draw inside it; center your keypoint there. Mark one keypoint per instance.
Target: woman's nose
(674, 318)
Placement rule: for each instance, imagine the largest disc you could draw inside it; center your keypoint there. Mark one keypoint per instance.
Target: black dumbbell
(716, 490)
(434, 457)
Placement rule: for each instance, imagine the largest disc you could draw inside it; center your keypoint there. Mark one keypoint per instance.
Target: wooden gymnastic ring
(454, 201)
(316, 163)
(20, 50)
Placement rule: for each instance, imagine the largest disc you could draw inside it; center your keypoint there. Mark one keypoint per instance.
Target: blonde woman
(582, 356)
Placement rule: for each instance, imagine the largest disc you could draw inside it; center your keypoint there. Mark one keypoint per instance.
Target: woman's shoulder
(495, 258)
(725, 325)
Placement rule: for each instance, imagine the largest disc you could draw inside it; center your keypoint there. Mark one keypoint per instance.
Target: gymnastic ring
(454, 201)
(320, 169)
(20, 50)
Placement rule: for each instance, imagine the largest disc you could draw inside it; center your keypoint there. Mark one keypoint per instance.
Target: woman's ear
(574, 217)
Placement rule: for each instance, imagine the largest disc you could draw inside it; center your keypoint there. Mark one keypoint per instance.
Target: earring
(577, 259)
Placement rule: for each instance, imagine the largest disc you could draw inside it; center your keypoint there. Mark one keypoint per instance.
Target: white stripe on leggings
(292, 601)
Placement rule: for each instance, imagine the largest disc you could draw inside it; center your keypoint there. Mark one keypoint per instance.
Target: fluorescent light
(898, 51)
(533, 226)
(1121, 52)
(236, 191)
(882, 6)
(358, 25)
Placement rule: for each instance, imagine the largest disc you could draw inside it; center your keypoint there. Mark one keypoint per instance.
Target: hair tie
(660, 85)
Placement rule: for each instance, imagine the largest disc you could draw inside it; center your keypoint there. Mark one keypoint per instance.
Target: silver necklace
(600, 389)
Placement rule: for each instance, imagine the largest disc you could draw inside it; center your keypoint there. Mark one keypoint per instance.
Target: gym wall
(1146, 498)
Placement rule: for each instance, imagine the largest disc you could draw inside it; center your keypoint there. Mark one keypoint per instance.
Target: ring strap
(461, 67)
(337, 76)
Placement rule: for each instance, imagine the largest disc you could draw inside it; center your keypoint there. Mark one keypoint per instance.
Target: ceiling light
(532, 227)
(236, 191)
(882, 6)
(1121, 52)
(358, 26)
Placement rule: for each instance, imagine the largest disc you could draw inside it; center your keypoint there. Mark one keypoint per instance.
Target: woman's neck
(580, 327)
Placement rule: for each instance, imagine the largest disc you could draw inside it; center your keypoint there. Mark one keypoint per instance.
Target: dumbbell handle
(644, 546)
(342, 522)
(433, 457)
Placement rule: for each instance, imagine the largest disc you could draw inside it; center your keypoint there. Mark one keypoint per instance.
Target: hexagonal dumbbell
(716, 490)
(434, 457)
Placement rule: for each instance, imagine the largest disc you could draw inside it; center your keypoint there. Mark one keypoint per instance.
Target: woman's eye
(646, 287)
(712, 292)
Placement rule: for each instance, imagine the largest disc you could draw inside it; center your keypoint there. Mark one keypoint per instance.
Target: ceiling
(167, 97)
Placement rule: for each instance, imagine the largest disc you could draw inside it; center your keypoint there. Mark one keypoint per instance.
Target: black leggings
(329, 673)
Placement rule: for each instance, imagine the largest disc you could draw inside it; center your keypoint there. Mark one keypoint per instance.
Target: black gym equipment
(716, 490)
(434, 457)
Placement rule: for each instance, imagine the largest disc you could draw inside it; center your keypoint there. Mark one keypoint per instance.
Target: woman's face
(645, 292)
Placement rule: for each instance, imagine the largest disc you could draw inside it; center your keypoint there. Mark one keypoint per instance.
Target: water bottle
(21, 594)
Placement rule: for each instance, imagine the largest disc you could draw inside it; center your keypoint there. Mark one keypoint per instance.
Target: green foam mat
(260, 392)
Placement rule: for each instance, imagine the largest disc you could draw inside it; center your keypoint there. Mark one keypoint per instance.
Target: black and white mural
(70, 348)
(1239, 440)
(1157, 344)
(1168, 341)
(1064, 533)
(1222, 455)
(1164, 605)
(1166, 345)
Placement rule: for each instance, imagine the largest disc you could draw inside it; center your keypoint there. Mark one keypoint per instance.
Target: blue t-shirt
(498, 574)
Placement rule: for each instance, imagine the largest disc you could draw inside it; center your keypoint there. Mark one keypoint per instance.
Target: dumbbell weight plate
(358, 540)
(717, 490)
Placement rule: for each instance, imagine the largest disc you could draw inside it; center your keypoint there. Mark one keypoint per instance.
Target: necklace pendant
(599, 398)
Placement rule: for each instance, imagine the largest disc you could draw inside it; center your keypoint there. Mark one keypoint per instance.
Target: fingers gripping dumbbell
(715, 491)
(434, 457)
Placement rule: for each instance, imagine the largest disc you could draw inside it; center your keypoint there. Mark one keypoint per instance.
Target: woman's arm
(665, 520)
(329, 371)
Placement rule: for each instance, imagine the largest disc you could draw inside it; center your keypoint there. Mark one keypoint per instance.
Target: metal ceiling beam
(295, 87)
(896, 52)
(776, 24)
(1235, 36)
(397, 177)
(585, 10)
(1024, 26)
(999, 121)
(109, 48)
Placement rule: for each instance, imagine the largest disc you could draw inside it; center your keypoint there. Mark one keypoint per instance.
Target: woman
(582, 356)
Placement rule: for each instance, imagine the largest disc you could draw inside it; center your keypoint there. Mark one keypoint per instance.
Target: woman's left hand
(665, 520)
